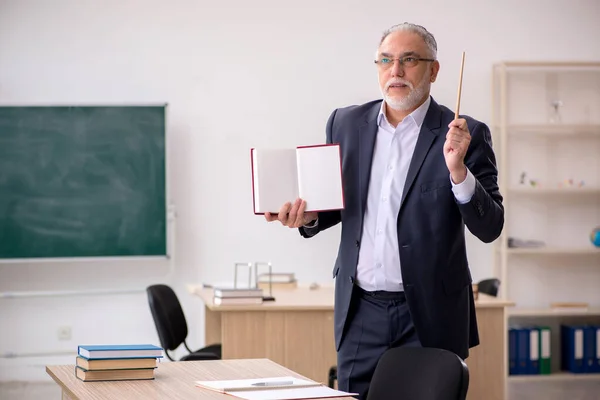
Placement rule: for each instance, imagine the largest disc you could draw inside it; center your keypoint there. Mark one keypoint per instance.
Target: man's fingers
(459, 123)
(447, 146)
(457, 138)
(270, 217)
(300, 216)
(283, 213)
(454, 141)
(293, 215)
(454, 131)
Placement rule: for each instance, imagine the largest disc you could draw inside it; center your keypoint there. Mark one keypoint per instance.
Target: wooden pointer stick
(462, 66)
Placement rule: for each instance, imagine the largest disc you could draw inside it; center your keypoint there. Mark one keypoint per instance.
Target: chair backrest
(168, 316)
(420, 373)
(489, 286)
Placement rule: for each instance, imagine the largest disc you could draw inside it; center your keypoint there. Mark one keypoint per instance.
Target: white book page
(320, 177)
(275, 179)
(290, 394)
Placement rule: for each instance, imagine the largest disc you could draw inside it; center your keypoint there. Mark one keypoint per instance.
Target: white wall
(236, 74)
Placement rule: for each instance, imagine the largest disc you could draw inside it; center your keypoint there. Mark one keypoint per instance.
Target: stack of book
(277, 280)
(234, 296)
(529, 349)
(116, 362)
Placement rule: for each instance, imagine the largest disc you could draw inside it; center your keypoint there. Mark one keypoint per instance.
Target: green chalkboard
(82, 181)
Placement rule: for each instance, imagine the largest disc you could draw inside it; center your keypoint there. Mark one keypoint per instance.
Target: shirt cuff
(463, 192)
(312, 224)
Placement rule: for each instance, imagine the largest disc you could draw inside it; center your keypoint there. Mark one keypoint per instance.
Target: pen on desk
(273, 383)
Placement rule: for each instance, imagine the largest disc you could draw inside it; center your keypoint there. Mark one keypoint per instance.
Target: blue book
(572, 348)
(119, 351)
(512, 351)
(597, 334)
(597, 364)
(589, 349)
(533, 364)
(523, 351)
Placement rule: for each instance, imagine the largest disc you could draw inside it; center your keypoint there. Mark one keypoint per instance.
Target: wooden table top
(301, 298)
(173, 380)
(487, 301)
(304, 298)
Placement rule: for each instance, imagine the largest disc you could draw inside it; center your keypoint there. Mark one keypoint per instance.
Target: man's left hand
(455, 149)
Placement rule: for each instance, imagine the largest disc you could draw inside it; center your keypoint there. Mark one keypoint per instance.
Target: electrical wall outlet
(64, 333)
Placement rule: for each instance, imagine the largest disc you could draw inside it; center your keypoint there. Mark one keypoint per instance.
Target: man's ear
(435, 68)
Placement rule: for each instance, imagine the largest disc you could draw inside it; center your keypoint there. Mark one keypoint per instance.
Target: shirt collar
(418, 115)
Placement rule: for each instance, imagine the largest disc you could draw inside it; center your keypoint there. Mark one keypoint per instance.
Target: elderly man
(413, 176)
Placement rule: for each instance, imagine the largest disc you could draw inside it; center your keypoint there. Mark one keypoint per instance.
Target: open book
(312, 173)
(274, 388)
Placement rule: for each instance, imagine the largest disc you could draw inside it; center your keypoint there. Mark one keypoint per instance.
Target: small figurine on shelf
(555, 117)
(567, 183)
(523, 180)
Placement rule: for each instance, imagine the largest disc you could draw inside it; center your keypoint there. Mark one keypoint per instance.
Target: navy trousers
(376, 322)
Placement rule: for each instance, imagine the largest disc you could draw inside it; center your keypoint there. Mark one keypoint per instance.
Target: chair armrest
(200, 356)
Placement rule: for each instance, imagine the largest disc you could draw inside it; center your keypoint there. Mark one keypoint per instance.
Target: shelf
(549, 312)
(546, 191)
(554, 251)
(561, 203)
(558, 376)
(551, 65)
(561, 131)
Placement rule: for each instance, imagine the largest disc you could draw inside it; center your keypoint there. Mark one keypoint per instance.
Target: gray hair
(414, 28)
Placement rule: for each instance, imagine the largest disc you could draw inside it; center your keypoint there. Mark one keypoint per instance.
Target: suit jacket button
(479, 208)
(357, 243)
(351, 279)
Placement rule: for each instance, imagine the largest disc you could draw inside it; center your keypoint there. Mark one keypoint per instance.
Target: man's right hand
(293, 215)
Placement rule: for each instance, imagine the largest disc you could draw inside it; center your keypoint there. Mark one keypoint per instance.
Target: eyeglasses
(405, 62)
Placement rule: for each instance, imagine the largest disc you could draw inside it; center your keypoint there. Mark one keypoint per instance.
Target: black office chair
(419, 373)
(171, 324)
(332, 376)
(489, 286)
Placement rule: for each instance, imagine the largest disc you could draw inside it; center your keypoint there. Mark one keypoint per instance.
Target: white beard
(412, 99)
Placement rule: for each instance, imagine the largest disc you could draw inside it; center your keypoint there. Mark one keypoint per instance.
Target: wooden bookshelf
(557, 376)
(563, 131)
(551, 312)
(546, 134)
(584, 190)
(555, 251)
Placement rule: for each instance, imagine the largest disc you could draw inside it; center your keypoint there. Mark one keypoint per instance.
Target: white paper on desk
(235, 386)
(315, 392)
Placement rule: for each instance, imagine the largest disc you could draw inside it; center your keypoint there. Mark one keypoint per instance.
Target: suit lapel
(429, 131)
(366, 144)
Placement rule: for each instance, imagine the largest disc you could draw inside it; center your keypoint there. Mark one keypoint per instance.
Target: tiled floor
(574, 390)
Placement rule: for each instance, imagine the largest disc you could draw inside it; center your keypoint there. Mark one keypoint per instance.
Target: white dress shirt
(379, 259)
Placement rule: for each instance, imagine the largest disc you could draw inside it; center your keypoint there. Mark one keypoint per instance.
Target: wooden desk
(296, 331)
(488, 362)
(173, 380)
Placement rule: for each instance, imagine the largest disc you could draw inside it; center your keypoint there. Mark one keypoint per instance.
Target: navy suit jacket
(431, 237)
